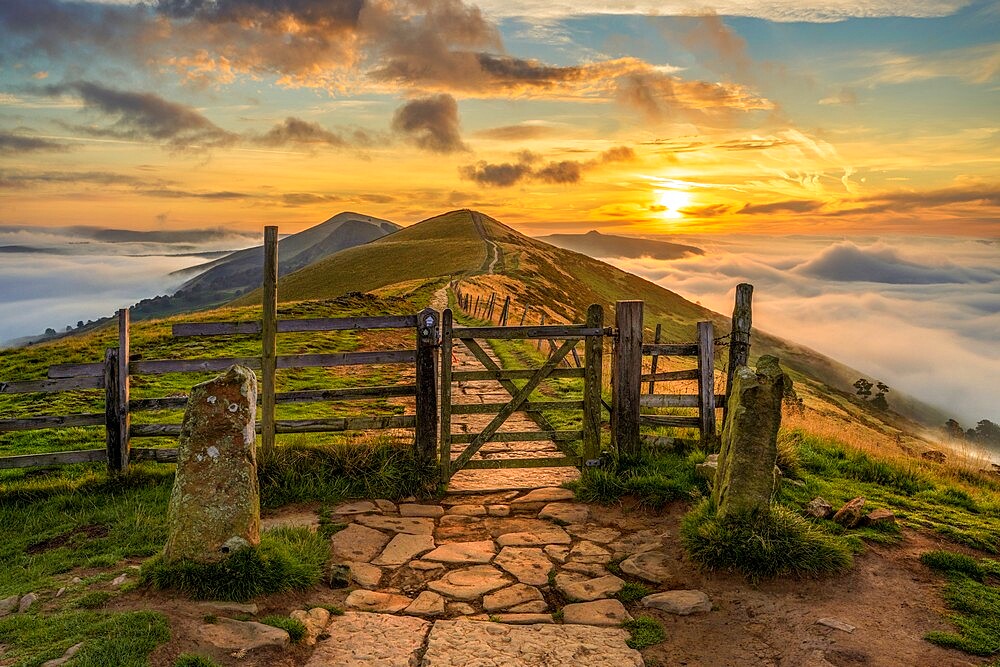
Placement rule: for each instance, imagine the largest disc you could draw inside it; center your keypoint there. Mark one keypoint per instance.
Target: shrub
(762, 544)
(287, 558)
(645, 631)
(295, 628)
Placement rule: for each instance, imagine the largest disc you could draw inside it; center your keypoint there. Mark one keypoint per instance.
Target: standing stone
(745, 480)
(215, 503)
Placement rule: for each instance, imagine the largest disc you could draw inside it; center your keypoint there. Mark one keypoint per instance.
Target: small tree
(50, 332)
(864, 388)
(953, 430)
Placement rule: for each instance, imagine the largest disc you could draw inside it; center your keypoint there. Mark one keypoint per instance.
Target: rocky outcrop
(215, 503)
(745, 480)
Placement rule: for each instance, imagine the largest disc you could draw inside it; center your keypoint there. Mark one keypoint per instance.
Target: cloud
(973, 65)
(13, 144)
(899, 201)
(295, 131)
(507, 174)
(22, 179)
(145, 116)
(790, 206)
(431, 123)
(932, 340)
(847, 262)
(531, 129)
(165, 193)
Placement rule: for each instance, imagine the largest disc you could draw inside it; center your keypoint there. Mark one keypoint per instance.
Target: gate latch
(592, 463)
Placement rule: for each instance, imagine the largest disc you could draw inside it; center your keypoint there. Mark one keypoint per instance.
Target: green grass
(286, 559)
(295, 628)
(973, 596)
(633, 592)
(93, 600)
(123, 640)
(655, 479)
(762, 544)
(644, 632)
(964, 510)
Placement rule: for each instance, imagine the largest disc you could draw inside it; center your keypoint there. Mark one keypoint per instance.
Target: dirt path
(494, 253)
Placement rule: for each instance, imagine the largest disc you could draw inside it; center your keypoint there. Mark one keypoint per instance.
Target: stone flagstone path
(489, 580)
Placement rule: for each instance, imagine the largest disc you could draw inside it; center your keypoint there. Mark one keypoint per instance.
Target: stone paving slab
(360, 639)
(485, 644)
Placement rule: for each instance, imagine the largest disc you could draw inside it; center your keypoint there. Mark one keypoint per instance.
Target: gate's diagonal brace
(515, 402)
(480, 354)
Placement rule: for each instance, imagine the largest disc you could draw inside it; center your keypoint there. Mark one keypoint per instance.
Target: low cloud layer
(894, 309)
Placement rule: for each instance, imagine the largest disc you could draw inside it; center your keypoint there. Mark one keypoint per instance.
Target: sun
(670, 203)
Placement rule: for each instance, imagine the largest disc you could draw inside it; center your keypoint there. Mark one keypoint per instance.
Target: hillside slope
(596, 244)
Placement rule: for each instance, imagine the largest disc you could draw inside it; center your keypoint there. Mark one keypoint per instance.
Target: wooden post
(446, 340)
(656, 358)
(489, 308)
(593, 358)
(269, 330)
(524, 315)
(739, 337)
(706, 380)
(425, 435)
(538, 343)
(627, 383)
(504, 311)
(112, 427)
(475, 309)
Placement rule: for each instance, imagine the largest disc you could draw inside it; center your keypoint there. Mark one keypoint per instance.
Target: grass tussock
(124, 640)
(654, 480)
(644, 632)
(193, 660)
(973, 595)
(375, 468)
(295, 628)
(286, 559)
(762, 544)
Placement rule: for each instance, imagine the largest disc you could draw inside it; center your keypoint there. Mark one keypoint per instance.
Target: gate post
(269, 330)
(706, 380)
(594, 365)
(627, 377)
(425, 433)
(739, 337)
(117, 418)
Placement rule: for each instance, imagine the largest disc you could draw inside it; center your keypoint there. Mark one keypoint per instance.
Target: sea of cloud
(61, 276)
(920, 314)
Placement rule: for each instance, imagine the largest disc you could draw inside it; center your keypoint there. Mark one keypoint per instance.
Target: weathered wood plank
(516, 374)
(496, 464)
(47, 386)
(302, 396)
(671, 349)
(518, 436)
(515, 403)
(327, 425)
(670, 420)
(51, 421)
(155, 454)
(296, 326)
(706, 381)
(444, 455)
(112, 432)
(269, 337)
(670, 376)
(489, 408)
(592, 381)
(217, 364)
(627, 377)
(347, 359)
(676, 400)
(530, 332)
(215, 328)
(77, 370)
(739, 335)
(53, 459)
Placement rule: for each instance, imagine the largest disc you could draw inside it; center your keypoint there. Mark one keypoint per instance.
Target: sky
(843, 155)
(785, 116)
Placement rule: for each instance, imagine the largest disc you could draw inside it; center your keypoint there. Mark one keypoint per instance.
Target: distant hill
(596, 244)
(230, 276)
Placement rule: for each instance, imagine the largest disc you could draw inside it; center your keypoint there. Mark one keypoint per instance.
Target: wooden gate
(519, 385)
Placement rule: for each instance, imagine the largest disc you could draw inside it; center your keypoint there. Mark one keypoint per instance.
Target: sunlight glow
(669, 203)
